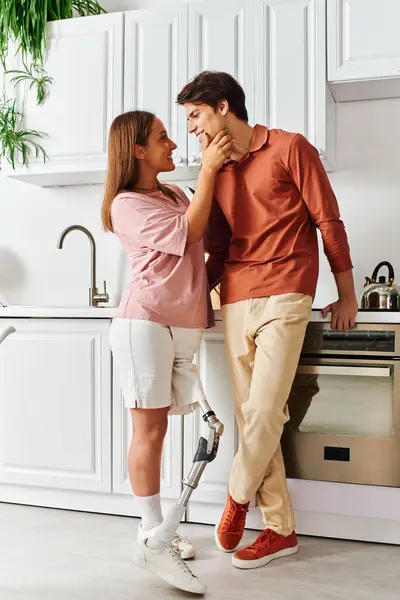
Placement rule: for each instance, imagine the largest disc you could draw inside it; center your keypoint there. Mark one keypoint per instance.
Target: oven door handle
(342, 370)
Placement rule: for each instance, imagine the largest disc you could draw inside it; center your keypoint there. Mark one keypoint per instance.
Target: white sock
(167, 530)
(150, 511)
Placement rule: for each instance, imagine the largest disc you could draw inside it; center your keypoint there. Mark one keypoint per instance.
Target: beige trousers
(263, 338)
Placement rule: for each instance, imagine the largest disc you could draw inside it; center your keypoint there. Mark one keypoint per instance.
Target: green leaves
(36, 75)
(15, 141)
(87, 7)
(24, 21)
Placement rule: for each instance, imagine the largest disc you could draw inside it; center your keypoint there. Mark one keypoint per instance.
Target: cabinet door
(171, 465)
(85, 61)
(156, 68)
(55, 404)
(363, 39)
(291, 91)
(221, 38)
(208, 500)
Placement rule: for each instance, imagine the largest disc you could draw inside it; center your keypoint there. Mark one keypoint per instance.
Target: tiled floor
(59, 555)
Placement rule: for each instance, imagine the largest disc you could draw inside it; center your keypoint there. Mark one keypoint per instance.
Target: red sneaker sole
(261, 562)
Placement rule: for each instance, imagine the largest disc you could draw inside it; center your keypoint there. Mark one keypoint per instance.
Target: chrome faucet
(94, 297)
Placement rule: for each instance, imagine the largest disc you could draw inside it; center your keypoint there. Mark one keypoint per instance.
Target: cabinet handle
(192, 159)
(320, 151)
(178, 160)
(344, 370)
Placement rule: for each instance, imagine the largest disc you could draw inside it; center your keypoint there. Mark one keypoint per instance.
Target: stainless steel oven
(345, 407)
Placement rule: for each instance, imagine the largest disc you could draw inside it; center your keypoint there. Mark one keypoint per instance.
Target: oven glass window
(343, 400)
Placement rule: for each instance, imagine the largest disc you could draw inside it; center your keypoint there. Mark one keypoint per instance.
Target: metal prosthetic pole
(206, 452)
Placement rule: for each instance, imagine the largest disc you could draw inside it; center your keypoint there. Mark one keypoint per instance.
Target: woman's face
(158, 152)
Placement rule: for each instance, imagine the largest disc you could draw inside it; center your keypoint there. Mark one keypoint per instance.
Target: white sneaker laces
(179, 539)
(180, 563)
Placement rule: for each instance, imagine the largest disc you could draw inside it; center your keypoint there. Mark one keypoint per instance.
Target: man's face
(202, 119)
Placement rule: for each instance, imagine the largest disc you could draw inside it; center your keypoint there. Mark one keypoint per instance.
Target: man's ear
(223, 107)
(139, 152)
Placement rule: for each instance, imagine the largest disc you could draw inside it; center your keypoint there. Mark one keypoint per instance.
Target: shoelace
(179, 539)
(267, 537)
(236, 514)
(180, 563)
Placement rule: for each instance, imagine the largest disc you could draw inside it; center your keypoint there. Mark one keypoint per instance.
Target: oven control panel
(357, 341)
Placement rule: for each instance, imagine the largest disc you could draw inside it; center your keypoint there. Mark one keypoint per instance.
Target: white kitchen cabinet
(363, 38)
(207, 501)
(85, 60)
(156, 68)
(221, 38)
(141, 59)
(55, 404)
(290, 83)
(171, 466)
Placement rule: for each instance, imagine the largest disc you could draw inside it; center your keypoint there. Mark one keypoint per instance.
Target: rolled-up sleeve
(311, 180)
(151, 225)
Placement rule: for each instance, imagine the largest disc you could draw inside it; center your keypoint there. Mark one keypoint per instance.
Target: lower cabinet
(55, 409)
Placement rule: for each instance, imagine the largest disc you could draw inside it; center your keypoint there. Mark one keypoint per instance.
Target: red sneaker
(229, 531)
(268, 545)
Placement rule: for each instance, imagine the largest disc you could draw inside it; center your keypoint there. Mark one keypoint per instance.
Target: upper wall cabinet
(85, 61)
(221, 38)
(156, 62)
(291, 90)
(141, 59)
(364, 47)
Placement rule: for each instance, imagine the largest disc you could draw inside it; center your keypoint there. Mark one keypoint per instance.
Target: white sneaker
(179, 543)
(183, 546)
(167, 564)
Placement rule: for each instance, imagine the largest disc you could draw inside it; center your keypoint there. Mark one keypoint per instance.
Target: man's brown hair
(210, 87)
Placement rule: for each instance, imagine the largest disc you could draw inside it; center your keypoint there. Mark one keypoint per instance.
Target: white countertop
(88, 312)
(59, 312)
(372, 316)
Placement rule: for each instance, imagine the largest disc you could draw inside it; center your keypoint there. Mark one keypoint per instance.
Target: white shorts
(154, 364)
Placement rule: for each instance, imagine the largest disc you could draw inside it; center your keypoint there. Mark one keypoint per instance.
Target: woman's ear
(139, 152)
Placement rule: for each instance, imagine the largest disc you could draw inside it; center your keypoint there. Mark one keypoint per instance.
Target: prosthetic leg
(205, 453)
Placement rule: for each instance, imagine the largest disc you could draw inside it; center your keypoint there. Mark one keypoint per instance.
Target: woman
(162, 313)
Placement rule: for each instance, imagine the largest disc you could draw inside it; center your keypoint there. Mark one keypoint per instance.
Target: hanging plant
(24, 22)
(14, 140)
(36, 76)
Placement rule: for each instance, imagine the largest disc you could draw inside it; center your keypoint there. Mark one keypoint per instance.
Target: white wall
(33, 271)
(367, 185)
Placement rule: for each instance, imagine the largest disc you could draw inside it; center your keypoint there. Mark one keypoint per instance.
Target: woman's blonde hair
(126, 131)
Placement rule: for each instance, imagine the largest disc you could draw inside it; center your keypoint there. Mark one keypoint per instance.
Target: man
(270, 197)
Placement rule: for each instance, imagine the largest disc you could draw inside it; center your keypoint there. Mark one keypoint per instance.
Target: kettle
(381, 294)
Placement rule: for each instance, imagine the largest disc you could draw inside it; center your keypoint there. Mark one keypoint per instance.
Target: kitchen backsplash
(33, 271)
